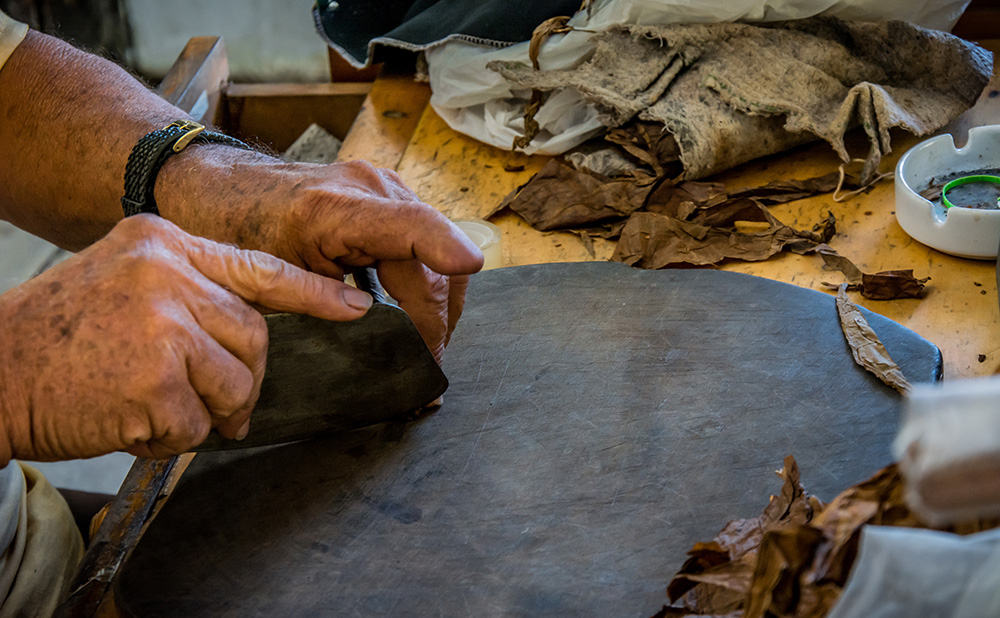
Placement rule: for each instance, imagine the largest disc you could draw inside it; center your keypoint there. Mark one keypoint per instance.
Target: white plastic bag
(906, 572)
(478, 102)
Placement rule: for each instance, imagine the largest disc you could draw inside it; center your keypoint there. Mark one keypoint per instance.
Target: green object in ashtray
(323, 377)
(965, 180)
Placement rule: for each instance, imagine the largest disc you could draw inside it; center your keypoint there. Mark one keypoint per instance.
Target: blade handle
(367, 281)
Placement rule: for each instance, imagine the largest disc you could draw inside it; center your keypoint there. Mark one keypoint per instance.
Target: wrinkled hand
(333, 218)
(144, 341)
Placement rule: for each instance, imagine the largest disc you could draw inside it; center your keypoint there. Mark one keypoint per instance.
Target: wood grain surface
(464, 178)
(600, 421)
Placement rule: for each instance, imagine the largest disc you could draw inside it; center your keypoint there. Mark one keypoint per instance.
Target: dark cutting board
(600, 421)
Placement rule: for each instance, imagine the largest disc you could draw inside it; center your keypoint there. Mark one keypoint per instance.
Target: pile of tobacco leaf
(660, 223)
(792, 560)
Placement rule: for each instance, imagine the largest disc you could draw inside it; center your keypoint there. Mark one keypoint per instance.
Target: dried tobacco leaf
(884, 285)
(784, 555)
(655, 241)
(689, 222)
(561, 197)
(531, 126)
(682, 199)
(719, 573)
(649, 143)
(865, 345)
(588, 242)
(838, 262)
(796, 556)
(781, 191)
(553, 25)
(892, 284)
(731, 212)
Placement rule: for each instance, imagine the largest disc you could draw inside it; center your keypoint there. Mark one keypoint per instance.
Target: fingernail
(356, 298)
(244, 430)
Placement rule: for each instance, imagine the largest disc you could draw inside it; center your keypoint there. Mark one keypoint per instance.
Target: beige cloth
(43, 546)
(11, 34)
(729, 93)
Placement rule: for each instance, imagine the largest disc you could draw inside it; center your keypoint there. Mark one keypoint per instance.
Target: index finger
(402, 230)
(264, 280)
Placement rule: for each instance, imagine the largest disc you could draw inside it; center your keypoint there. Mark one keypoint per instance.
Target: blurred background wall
(266, 41)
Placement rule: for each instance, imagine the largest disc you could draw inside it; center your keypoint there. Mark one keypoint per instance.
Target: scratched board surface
(600, 421)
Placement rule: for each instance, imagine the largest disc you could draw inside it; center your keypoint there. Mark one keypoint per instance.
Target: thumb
(271, 283)
(423, 294)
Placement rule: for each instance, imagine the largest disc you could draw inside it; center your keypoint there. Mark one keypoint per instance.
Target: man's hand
(328, 219)
(62, 180)
(144, 341)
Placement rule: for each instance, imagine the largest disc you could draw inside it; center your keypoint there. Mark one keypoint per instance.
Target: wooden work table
(464, 178)
(397, 129)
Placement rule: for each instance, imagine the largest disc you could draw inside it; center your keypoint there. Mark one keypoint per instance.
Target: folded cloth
(729, 93)
(357, 28)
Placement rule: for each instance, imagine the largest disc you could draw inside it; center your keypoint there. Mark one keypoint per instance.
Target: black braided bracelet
(152, 151)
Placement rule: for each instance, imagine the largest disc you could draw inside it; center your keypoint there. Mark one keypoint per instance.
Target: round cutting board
(600, 420)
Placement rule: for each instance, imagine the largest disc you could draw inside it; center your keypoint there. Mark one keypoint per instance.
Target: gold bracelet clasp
(191, 128)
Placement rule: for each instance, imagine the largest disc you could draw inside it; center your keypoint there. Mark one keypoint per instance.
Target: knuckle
(360, 167)
(237, 390)
(143, 226)
(189, 431)
(163, 372)
(256, 332)
(267, 272)
(132, 430)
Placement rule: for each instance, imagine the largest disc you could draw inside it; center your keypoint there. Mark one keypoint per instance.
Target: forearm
(69, 121)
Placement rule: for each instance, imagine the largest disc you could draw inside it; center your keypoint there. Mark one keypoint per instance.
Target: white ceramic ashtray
(970, 228)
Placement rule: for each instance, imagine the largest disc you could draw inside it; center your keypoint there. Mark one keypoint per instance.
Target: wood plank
(297, 90)
(197, 78)
(960, 313)
(274, 115)
(343, 71)
(981, 20)
(384, 127)
(121, 528)
(464, 178)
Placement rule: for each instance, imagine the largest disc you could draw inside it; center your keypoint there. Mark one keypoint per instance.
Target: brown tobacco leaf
(784, 556)
(649, 143)
(884, 285)
(661, 223)
(727, 561)
(794, 559)
(655, 241)
(838, 262)
(531, 126)
(553, 25)
(683, 199)
(865, 345)
(879, 501)
(781, 191)
(561, 197)
(891, 284)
